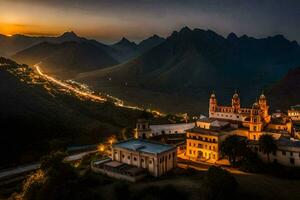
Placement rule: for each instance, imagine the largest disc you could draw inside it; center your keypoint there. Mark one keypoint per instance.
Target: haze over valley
(175, 74)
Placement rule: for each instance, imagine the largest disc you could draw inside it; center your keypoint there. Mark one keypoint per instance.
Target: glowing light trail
(68, 86)
(116, 101)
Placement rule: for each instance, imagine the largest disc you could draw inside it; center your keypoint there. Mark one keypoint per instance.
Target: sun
(9, 35)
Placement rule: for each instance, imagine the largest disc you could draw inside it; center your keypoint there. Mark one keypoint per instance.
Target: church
(204, 140)
(256, 120)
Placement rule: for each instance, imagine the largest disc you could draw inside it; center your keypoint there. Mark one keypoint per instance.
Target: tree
(235, 148)
(56, 180)
(267, 144)
(219, 184)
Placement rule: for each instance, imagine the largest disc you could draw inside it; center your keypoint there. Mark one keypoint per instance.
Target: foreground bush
(219, 184)
(57, 180)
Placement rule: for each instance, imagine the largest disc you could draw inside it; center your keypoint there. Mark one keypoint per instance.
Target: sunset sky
(108, 20)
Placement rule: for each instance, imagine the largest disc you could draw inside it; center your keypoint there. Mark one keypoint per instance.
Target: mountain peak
(69, 35)
(232, 36)
(155, 36)
(279, 37)
(126, 42)
(124, 39)
(185, 29)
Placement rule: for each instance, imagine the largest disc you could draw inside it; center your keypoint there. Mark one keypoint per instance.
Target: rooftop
(145, 146)
(227, 120)
(113, 164)
(210, 131)
(219, 124)
(296, 107)
(284, 141)
(206, 120)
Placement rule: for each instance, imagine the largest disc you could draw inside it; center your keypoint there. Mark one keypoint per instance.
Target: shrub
(252, 163)
(219, 184)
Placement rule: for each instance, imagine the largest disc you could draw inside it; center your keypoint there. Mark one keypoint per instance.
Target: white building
(288, 152)
(155, 157)
(170, 128)
(145, 130)
(294, 113)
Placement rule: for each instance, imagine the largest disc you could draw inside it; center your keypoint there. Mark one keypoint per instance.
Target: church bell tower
(235, 102)
(212, 104)
(256, 124)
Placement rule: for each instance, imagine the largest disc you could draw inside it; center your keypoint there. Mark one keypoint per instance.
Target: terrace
(118, 170)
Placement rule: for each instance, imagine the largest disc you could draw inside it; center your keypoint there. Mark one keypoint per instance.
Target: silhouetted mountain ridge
(15, 43)
(195, 62)
(66, 59)
(286, 92)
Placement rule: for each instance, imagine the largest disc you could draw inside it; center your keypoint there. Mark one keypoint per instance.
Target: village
(156, 148)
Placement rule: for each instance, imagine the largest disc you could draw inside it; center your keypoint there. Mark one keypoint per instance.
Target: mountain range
(66, 59)
(286, 92)
(161, 73)
(195, 62)
(69, 54)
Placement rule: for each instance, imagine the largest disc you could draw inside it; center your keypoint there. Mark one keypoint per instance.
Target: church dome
(235, 96)
(262, 96)
(255, 106)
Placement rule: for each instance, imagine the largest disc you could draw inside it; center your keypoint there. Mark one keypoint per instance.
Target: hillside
(66, 59)
(195, 62)
(13, 44)
(37, 116)
(125, 50)
(286, 92)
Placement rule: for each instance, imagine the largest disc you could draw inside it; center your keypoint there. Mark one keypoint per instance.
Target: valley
(175, 74)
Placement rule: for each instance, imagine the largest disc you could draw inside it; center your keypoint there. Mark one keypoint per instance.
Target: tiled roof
(209, 131)
(284, 141)
(145, 146)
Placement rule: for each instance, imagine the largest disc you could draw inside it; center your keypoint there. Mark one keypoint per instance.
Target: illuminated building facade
(203, 141)
(294, 113)
(155, 157)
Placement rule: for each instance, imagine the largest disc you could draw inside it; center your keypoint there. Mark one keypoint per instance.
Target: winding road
(85, 94)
